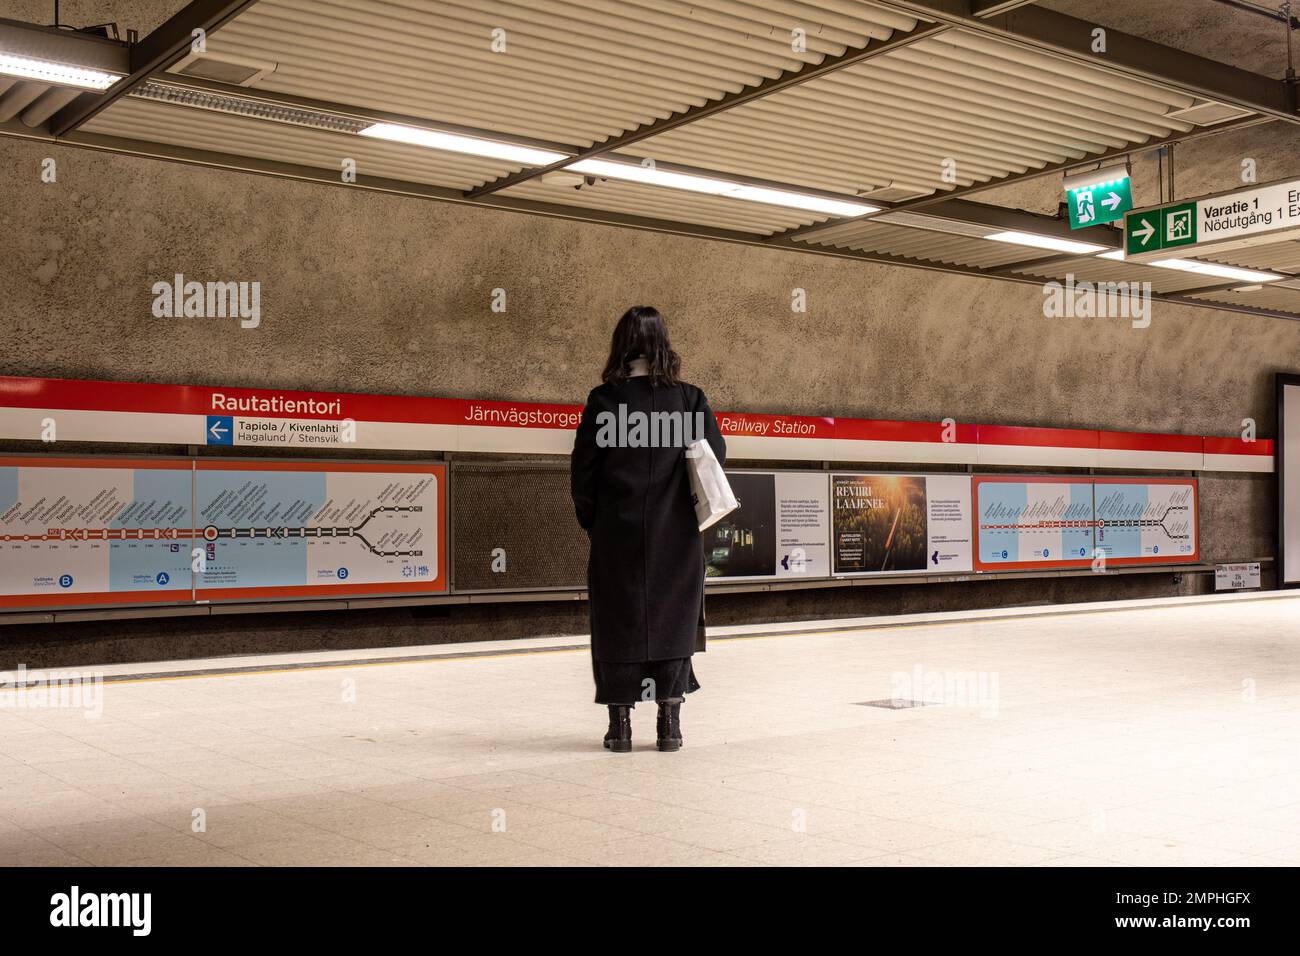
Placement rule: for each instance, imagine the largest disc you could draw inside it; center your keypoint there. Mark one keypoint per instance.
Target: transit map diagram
(264, 528)
(72, 533)
(117, 531)
(1074, 521)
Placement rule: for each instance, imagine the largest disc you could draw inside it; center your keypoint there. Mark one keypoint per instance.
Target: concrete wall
(368, 292)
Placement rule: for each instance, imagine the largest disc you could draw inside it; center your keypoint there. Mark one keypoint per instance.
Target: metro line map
(1071, 522)
(1146, 520)
(283, 528)
(82, 534)
(81, 531)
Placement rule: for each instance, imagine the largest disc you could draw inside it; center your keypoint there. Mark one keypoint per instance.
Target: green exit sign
(1166, 227)
(1097, 203)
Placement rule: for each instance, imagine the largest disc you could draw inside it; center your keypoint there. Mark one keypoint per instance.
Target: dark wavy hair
(642, 332)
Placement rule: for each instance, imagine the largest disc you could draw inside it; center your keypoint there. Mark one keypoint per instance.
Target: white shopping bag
(711, 493)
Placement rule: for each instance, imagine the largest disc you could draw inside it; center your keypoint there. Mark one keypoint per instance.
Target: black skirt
(618, 683)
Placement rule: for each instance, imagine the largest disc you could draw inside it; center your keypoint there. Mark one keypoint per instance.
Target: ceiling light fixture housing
(1052, 243)
(654, 176)
(1105, 176)
(458, 143)
(47, 56)
(244, 106)
(56, 74)
(1216, 270)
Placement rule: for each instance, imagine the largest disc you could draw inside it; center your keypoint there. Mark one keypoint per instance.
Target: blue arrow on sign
(221, 430)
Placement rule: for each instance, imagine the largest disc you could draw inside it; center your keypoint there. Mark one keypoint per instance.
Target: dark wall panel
(525, 510)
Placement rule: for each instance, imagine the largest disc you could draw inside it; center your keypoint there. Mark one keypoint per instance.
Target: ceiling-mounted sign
(1165, 228)
(1246, 217)
(1100, 203)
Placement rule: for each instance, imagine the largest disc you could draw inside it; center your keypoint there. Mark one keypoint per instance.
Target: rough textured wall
(141, 15)
(370, 292)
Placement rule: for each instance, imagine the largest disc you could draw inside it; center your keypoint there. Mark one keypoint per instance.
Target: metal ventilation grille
(1206, 113)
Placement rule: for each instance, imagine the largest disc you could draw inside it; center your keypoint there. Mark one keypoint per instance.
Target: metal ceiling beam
(156, 52)
(784, 81)
(1055, 33)
(329, 177)
(991, 8)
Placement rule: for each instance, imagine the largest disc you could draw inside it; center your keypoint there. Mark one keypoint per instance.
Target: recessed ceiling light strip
(242, 106)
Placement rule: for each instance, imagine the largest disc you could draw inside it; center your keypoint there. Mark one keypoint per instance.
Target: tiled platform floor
(1155, 736)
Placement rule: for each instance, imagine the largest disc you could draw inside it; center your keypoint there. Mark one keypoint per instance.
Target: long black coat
(645, 575)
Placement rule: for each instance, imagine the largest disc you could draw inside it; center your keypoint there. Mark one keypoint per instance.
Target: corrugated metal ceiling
(919, 113)
(578, 72)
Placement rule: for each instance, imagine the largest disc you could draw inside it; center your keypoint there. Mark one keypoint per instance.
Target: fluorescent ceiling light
(1212, 269)
(653, 176)
(59, 74)
(454, 142)
(1116, 254)
(1046, 242)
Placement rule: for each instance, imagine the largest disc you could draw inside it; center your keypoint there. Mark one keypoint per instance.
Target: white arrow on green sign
(1224, 221)
(1103, 202)
(1163, 228)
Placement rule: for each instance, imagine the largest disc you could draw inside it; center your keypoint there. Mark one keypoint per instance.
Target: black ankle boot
(669, 726)
(619, 737)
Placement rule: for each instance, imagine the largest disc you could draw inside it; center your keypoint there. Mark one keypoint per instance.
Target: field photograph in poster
(898, 524)
(879, 523)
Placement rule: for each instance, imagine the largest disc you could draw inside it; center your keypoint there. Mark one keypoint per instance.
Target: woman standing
(632, 494)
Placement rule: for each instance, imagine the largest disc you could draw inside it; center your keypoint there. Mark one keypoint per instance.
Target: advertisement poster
(285, 529)
(778, 532)
(1033, 522)
(894, 524)
(79, 531)
(1288, 479)
(1146, 522)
